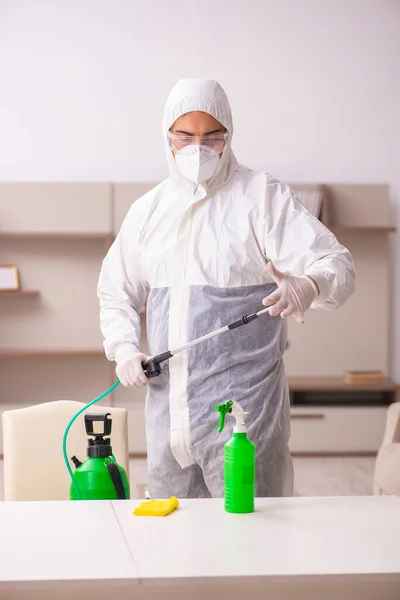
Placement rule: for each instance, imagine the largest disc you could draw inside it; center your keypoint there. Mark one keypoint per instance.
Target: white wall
(314, 86)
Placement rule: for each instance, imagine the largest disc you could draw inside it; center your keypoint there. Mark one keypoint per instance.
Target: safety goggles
(216, 142)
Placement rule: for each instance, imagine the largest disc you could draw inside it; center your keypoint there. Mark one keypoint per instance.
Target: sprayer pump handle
(90, 419)
(152, 366)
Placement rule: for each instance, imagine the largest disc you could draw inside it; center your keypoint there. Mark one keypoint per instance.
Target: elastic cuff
(321, 282)
(314, 285)
(125, 349)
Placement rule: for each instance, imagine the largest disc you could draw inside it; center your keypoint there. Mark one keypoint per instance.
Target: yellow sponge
(156, 508)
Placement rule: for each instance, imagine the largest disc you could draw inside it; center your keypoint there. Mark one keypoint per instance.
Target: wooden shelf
(49, 235)
(18, 293)
(8, 353)
(337, 384)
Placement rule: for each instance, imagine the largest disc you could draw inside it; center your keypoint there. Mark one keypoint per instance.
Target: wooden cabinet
(329, 416)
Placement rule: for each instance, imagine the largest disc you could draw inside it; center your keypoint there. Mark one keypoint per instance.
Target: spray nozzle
(236, 411)
(223, 410)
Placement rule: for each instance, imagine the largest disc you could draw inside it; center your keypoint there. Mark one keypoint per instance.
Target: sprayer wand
(152, 366)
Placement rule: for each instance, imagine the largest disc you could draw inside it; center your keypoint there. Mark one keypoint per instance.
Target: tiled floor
(350, 476)
(313, 476)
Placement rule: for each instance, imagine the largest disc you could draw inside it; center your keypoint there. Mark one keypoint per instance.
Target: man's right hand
(129, 366)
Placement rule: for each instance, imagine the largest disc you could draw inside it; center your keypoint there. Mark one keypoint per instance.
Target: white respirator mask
(197, 163)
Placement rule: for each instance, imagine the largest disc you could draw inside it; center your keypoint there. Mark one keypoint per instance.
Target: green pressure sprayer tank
(100, 477)
(239, 462)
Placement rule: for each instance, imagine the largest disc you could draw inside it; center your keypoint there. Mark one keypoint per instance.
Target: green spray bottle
(239, 462)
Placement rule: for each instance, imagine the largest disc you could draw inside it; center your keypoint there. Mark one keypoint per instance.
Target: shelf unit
(337, 384)
(50, 344)
(19, 293)
(352, 207)
(106, 238)
(54, 235)
(323, 408)
(11, 353)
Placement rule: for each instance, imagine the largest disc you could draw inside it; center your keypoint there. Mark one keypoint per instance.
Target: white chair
(34, 467)
(387, 466)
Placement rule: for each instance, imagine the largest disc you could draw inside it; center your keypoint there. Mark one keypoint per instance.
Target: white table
(290, 548)
(58, 549)
(298, 548)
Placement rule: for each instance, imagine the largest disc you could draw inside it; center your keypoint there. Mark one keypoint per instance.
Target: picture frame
(9, 278)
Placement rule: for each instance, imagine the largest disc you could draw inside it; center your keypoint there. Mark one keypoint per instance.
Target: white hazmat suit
(199, 255)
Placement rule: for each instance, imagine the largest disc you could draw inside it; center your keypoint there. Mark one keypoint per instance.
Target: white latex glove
(293, 297)
(129, 366)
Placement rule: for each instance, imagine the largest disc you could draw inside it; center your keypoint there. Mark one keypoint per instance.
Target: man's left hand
(293, 297)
